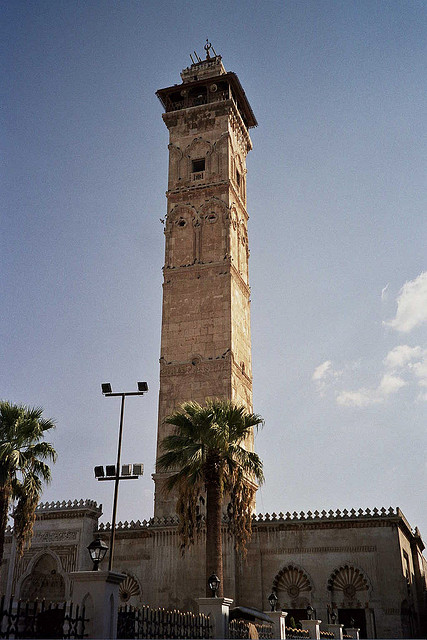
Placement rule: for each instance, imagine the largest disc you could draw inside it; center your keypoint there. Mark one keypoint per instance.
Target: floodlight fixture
(126, 469)
(111, 470)
(99, 472)
(138, 469)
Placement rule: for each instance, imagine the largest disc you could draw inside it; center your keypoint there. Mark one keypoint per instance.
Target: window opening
(198, 165)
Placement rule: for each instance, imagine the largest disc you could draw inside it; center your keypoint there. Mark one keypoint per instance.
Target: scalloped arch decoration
(293, 581)
(349, 580)
(128, 588)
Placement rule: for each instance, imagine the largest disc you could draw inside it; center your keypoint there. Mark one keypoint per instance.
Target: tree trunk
(4, 509)
(213, 531)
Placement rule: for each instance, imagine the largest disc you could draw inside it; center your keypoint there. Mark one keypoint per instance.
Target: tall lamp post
(107, 391)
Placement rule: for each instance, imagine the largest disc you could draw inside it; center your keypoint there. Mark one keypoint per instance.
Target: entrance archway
(44, 582)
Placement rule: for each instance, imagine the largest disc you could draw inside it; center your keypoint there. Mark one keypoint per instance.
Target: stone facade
(366, 565)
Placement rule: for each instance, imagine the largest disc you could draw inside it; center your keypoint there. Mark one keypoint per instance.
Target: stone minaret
(206, 341)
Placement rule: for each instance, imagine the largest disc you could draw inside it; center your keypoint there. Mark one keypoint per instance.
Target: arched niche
(198, 151)
(44, 579)
(293, 588)
(175, 165)
(130, 591)
(180, 236)
(213, 240)
(349, 587)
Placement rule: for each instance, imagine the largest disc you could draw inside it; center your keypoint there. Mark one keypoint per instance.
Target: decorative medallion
(293, 581)
(348, 580)
(128, 588)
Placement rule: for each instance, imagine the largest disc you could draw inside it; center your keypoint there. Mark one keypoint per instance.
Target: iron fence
(41, 619)
(161, 623)
(245, 629)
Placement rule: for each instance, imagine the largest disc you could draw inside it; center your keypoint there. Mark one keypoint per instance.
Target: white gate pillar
(99, 592)
(219, 611)
(313, 627)
(279, 620)
(336, 629)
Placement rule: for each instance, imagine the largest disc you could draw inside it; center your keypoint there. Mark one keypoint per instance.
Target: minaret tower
(206, 341)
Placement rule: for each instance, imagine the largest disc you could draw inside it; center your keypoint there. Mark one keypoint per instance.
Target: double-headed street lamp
(114, 473)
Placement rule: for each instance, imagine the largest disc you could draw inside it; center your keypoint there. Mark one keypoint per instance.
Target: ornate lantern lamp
(272, 598)
(214, 583)
(97, 550)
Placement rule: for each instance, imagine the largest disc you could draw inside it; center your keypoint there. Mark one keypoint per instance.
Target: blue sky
(337, 201)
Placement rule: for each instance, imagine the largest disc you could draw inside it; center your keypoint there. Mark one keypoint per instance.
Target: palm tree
(206, 454)
(23, 469)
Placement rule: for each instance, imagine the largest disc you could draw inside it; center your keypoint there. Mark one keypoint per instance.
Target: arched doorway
(348, 587)
(44, 582)
(293, 589)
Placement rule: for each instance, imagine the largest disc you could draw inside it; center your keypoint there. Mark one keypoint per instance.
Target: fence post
(353, 632)
(98, 591)
(336, 629)
(313, 627)
(279, 620)
(218, 609)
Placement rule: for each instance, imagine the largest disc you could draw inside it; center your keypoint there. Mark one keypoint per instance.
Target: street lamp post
(107, 391)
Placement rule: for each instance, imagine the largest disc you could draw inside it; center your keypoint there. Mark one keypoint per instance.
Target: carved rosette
(128, 589)
(349, 581)
(291, 585)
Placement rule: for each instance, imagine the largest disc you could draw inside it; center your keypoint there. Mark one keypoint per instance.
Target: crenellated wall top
(337, 514)
(273, 518)
(67, 505)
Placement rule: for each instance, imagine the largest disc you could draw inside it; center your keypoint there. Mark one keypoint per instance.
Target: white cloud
(360, 398)
(411, 305)
(322, 370)
(363, 397)
(400, 356)
(390, 384)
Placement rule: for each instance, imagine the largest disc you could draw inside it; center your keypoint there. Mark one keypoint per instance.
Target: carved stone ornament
(349, 580)
(128, 588)
(293, 581)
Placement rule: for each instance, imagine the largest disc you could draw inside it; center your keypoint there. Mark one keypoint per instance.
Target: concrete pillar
(219, 611)
(279, 619)
(336, 629)
(313, 628)
(98, 591)
(353, 632)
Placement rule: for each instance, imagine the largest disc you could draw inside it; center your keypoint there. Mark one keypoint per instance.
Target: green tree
(206, 453)
(23, 468)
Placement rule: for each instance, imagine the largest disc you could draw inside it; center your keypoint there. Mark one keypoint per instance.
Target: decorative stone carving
(128, 589)
(292, 581)
(349, 581)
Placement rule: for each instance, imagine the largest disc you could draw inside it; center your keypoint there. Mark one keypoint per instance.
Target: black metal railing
(41, 619)
(161, 623)
(245, 629)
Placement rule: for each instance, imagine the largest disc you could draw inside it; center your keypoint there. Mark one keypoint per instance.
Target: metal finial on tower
(207, 48)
